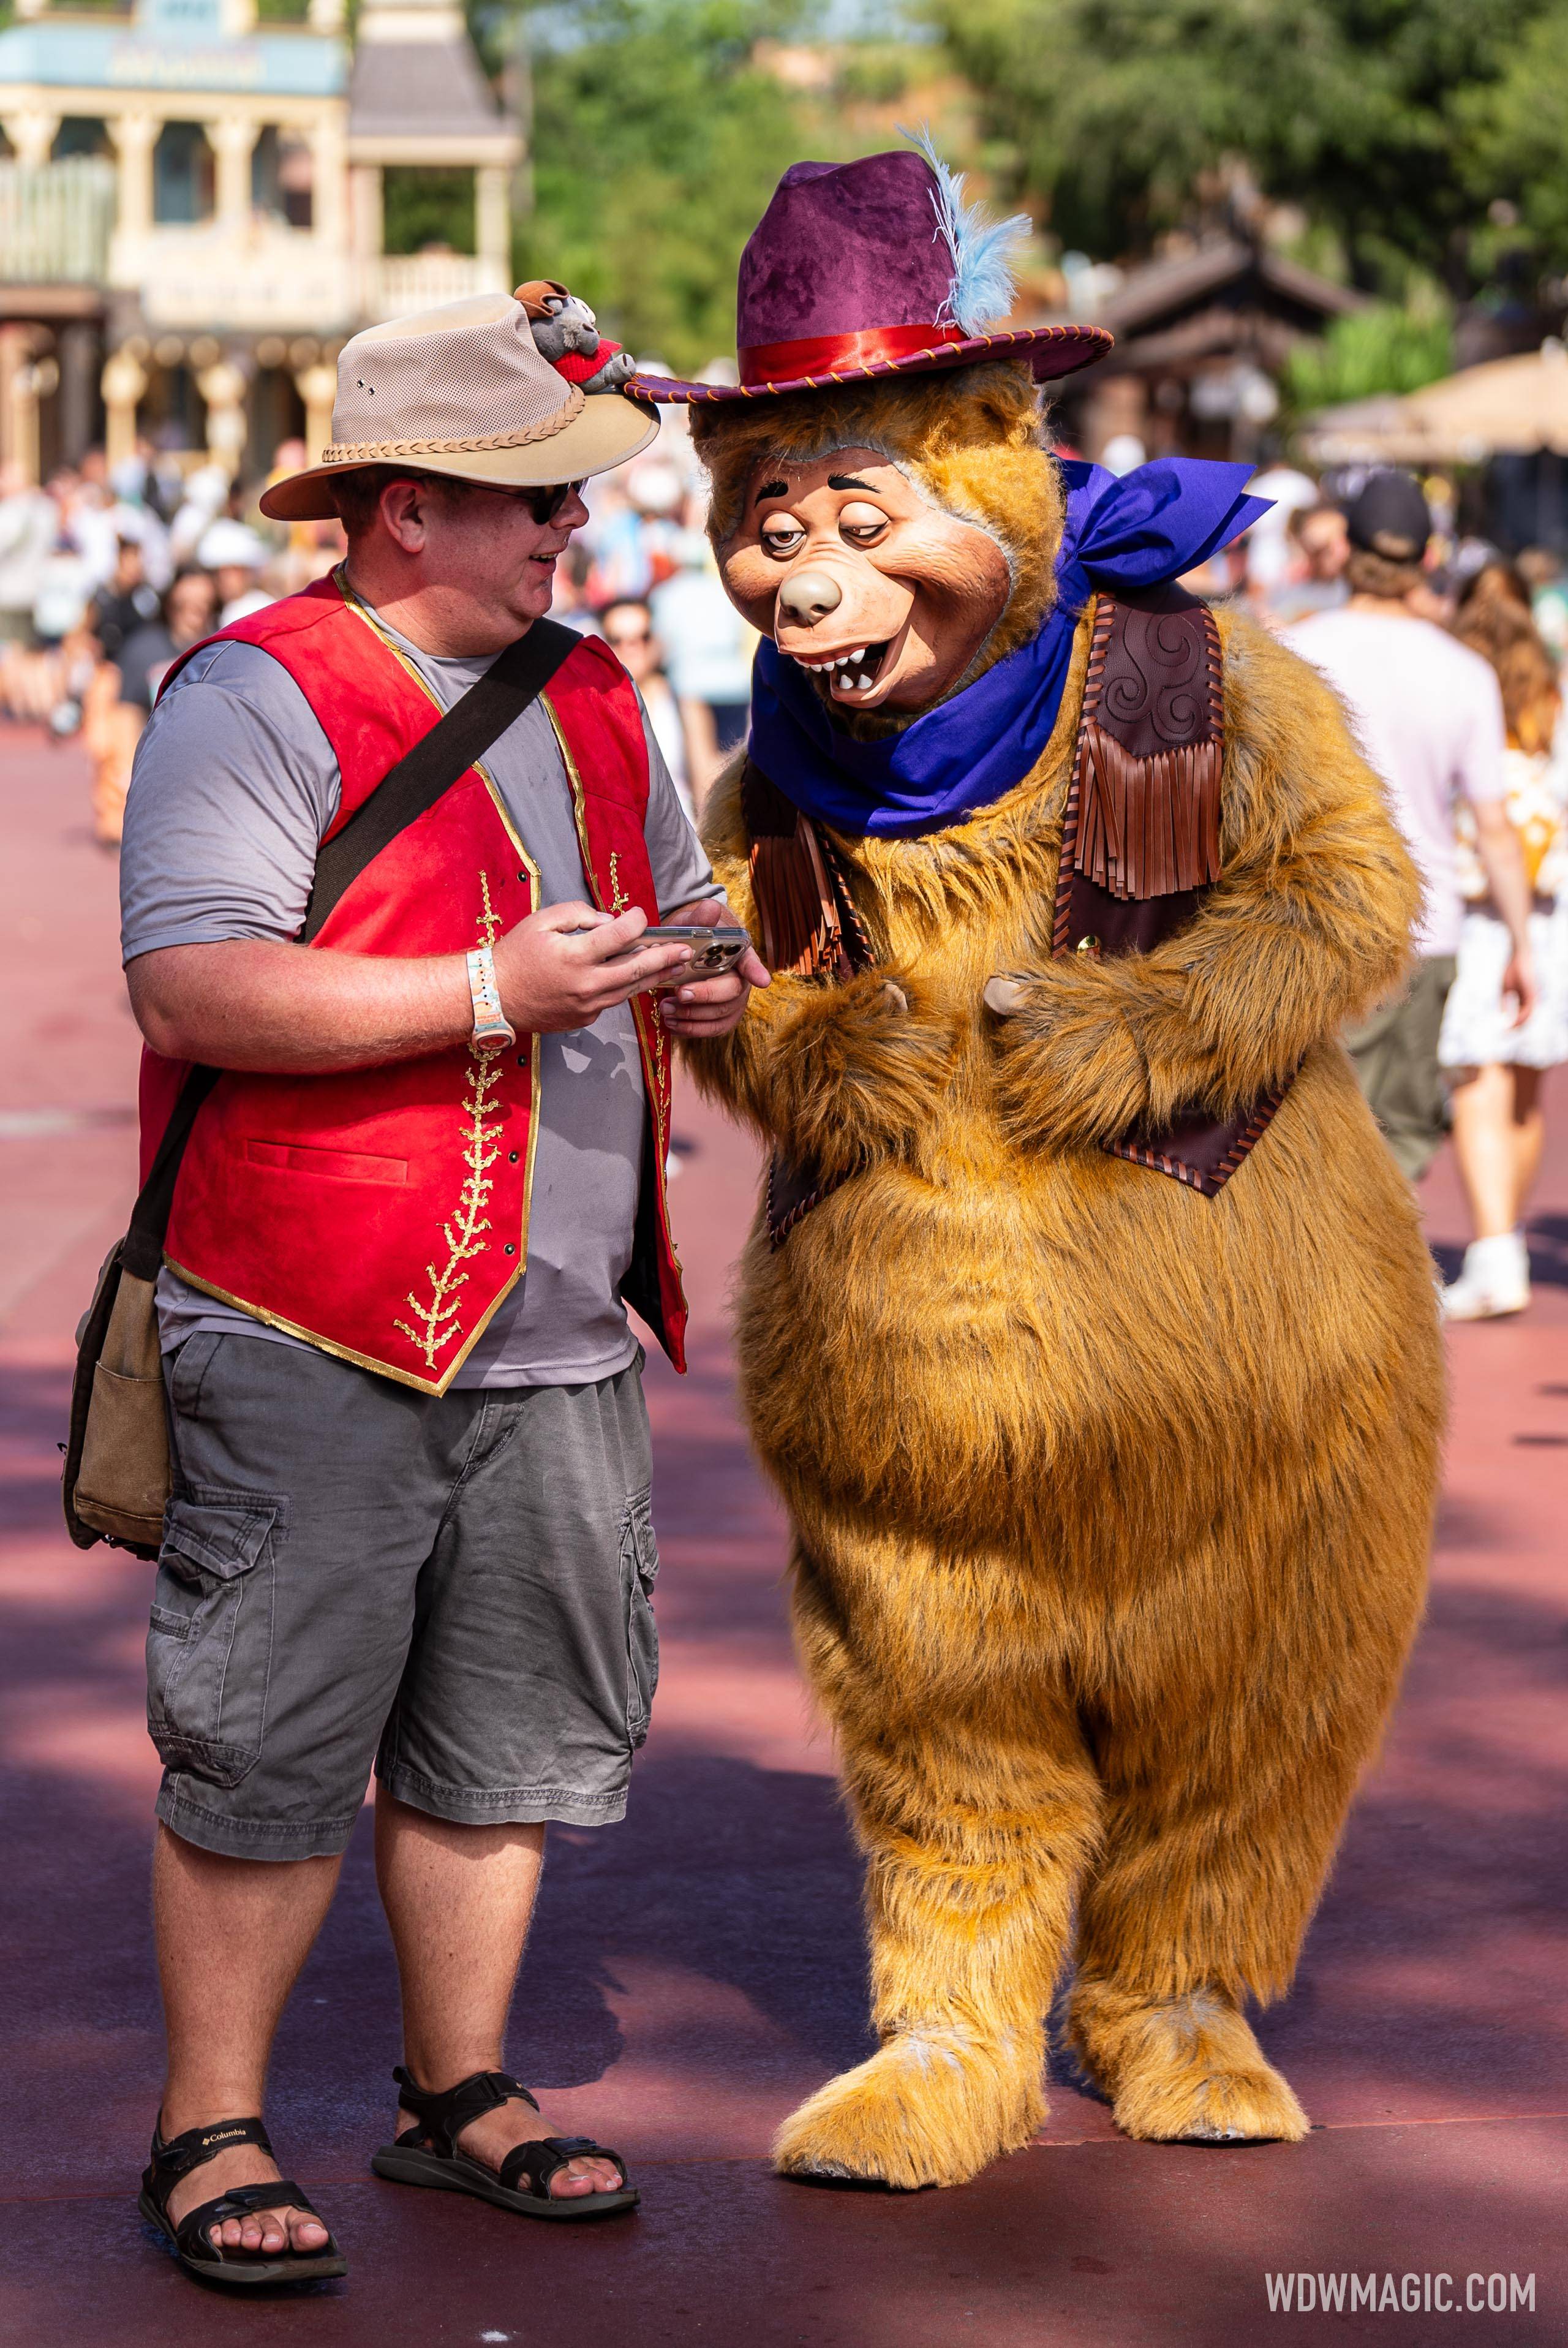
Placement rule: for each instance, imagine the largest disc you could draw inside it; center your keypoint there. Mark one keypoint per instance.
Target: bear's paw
(1186, 2070)
(932, 2108)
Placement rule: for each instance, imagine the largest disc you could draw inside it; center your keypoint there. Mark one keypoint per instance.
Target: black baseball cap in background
(1390, 517)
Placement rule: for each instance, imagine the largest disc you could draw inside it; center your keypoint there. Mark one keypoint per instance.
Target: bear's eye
(781, 535)
(862, 524)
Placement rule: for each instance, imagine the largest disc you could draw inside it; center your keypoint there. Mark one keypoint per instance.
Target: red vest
(382, 1214)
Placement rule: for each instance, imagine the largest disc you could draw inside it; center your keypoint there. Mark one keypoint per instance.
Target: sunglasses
(627, 637)
(544, 505)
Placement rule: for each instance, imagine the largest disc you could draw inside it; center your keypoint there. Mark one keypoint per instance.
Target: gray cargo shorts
(458, 1588)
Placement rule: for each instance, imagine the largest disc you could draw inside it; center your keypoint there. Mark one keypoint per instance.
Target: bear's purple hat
(870, 268)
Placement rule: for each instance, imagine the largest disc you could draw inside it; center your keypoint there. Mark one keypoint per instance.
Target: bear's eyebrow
(771, 490)
(847, 481)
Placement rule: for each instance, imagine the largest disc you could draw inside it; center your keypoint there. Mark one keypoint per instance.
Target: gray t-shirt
(233, 787)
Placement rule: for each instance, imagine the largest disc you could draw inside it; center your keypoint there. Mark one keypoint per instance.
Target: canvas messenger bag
(116, 1472)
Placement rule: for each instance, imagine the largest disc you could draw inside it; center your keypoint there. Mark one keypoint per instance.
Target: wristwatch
(493, 1031)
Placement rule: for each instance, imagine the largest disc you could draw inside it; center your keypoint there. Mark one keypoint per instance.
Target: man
(236, 556)
(410, 1508)
(126, 602)
(1429, 717)
(1316, 582)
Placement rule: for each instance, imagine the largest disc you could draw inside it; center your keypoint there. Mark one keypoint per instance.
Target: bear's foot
(932, 2108)
(1187, 2070)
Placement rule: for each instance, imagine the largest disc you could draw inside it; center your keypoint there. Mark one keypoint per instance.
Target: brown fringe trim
(795, 907)
(1148, 827)
(804, 910)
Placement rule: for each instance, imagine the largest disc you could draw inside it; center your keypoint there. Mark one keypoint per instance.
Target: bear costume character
(1087, 1326)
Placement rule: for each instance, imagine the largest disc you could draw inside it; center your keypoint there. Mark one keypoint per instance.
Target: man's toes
(585, 2176)
(308, 2233)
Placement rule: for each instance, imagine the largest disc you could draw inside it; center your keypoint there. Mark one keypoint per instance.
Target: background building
(197, 198)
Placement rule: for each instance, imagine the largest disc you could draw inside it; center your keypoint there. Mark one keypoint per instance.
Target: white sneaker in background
(1493, 1280)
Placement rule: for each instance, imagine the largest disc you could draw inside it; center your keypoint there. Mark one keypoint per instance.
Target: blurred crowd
(106, 577)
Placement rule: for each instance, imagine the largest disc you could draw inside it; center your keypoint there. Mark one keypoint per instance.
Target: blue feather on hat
(985, 251)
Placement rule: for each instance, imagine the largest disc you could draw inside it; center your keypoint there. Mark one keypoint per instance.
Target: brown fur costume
(1111, 1501)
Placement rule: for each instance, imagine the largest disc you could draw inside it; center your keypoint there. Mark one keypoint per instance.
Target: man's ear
(404, 506)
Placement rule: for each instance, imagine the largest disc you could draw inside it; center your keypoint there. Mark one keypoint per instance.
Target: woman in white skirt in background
(1495, 1068)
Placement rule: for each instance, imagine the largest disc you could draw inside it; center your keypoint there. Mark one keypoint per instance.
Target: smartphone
(713, 951)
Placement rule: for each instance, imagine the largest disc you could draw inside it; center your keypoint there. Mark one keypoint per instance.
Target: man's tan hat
(462, 390)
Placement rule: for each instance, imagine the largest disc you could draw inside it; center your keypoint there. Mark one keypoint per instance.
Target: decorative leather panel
(1147, 814)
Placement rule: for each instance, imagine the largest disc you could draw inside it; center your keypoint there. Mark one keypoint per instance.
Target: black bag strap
(475, 720)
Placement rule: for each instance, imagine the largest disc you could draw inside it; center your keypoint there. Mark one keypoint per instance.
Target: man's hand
(711, 1006)
(554, 972)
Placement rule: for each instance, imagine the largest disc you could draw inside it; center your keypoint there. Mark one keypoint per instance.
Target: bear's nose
(809, 596)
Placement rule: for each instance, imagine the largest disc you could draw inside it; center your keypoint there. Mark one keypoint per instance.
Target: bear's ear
(536, 297)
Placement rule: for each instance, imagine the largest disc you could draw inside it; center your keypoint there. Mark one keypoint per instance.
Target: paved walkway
(695, 1971)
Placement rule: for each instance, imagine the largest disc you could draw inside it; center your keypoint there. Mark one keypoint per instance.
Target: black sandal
(193, 2150)
(427, 2153)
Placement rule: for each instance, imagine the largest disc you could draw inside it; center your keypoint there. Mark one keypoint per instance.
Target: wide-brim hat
(876, 268)
(462, 390)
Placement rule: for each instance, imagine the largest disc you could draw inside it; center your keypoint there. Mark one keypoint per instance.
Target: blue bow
(1152, 525)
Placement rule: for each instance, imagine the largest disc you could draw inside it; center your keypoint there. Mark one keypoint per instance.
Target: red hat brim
(1050, 351)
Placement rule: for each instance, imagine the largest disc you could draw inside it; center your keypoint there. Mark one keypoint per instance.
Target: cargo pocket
(639, 1569)
(210, 1642)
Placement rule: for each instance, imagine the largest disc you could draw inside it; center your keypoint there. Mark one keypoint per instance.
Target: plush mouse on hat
(566, 333)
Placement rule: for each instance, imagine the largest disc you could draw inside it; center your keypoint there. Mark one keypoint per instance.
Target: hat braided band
(376, 452)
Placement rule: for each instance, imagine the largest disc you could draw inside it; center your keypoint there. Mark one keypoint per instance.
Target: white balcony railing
(401, 282)
(56, 221)
(257, 279)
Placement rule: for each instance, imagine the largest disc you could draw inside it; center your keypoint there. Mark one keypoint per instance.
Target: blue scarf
(1150, 526)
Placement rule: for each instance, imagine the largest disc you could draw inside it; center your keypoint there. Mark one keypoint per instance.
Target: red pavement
(695, 1971)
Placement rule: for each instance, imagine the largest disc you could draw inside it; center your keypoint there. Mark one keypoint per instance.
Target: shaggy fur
(1112, 1502)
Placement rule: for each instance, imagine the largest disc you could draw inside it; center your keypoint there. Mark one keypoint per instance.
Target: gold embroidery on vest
(619, 900)
(463, 1230)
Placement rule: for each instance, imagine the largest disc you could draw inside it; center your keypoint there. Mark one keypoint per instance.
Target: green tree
(1518, 126)
(657, 140)
(1367, 113)
(1385, 347)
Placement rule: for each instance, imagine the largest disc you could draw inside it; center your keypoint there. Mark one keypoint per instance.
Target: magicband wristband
(493, 1031)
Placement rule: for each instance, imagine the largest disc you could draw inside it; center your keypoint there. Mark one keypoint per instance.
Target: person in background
(1429, 715)
(236, 557)
(126, 602)
(1495, 1068)
(709, 649)
(1541, 572)
(573, 604)
(189, 613)
(121, 697)
(1315, 579)
(628, 629)
(1269, 545)
(305, 550)
(29, 523)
